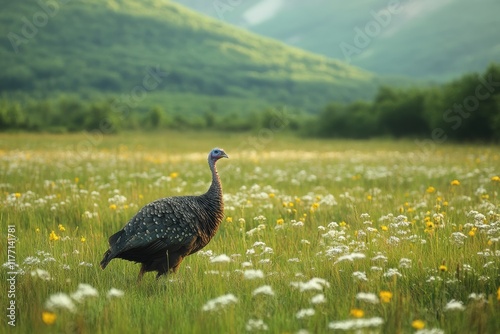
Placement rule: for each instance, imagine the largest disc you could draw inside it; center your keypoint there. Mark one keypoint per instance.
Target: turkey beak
(224, 155)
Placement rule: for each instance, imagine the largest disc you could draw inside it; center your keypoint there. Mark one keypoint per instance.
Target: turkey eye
(216, 152)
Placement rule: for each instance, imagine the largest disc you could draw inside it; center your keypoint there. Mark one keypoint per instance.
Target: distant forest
(465, 109)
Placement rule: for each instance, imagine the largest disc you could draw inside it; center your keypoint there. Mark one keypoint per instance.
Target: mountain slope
(424, 39)
(159, 51)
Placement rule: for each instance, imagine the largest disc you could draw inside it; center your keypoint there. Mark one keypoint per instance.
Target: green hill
(422, 39)
(156, 52)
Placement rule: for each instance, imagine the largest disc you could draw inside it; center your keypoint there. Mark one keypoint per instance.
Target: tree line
(467, 108)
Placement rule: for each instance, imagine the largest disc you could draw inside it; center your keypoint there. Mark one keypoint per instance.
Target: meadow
(319, 236)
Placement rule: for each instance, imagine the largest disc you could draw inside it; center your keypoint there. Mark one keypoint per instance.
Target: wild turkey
(167, 230)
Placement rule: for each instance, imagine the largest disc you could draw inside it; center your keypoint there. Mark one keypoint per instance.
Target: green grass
(377, 192)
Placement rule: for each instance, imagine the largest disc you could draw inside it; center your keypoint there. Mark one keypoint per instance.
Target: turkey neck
(215, 190)
(213, 203)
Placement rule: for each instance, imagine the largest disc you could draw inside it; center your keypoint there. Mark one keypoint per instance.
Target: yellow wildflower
(472, 232)
(280, 221)
(141, 196)
(384, 228)
(315, 205)
(342, 224)
(113, 207)
(48, 318)
(455, 183)
(431, 190)
(17, 195)
(77, 180)
(271, 195)
(385, 296)
(53, 236)
(82, 239)
(37, 230)
(229, 219)
(357, 313)
(61, 228)
(369, 197)
(418, 324)
(498, 294)
(495, 178)
(290, 204)
(173, 175)
(443, 268)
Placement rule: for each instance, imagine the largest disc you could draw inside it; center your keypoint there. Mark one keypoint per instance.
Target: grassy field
(319, 236)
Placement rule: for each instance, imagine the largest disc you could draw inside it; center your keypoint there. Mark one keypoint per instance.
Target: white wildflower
(355, 324)
(84, 290)
(60, 300)
(220, 258)
(477, 296)
(367, 297)
(212, 272)
(42, 274)
(256, 324)
(246, 264)
(250, 251)
(302, 331)
(404, 263)
(253, 274)
(306, 312)
(318, 299)
(112, 293)
(328, 200)
(430, 331)
(332, 225)
(391, 272)
(380, 257)
(207, 253)
(264, 290)
(85, 264)
(31, 260)
(454, 305)
(219, 302)
(252, 231)
(360, 276)
(393, 240)
(458, 238)
(350, 257)
(267, 250)
(313, 284)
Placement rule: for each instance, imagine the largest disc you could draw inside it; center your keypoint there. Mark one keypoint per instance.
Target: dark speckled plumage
(165, 231)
